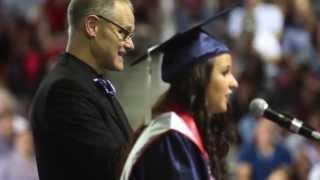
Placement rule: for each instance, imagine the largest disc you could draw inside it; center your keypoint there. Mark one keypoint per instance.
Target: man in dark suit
(78, 125)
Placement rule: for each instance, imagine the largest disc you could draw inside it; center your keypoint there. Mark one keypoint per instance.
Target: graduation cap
(186, 48)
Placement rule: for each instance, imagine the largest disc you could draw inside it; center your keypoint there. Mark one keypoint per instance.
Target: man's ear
(91, 26)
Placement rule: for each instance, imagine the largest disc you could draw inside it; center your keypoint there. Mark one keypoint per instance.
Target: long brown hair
(217, 131)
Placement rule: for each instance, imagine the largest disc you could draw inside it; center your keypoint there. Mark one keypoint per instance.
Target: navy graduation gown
(167, 149)
(172, 156)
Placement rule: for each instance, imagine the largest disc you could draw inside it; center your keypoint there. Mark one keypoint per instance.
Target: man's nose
(128, 44)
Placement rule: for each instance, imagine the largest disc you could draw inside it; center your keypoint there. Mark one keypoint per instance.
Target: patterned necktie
(106, 85)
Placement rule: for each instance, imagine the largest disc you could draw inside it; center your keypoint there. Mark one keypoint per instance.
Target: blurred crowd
(276, 51)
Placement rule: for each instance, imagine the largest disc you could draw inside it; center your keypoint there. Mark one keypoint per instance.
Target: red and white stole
(194, 136)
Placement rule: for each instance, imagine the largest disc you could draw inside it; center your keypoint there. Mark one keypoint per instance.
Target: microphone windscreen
(258, 106)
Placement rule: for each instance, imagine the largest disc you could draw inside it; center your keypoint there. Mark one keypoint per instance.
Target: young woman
(189, 135)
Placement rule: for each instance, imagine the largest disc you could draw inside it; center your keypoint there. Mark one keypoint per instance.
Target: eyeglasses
(123, 31)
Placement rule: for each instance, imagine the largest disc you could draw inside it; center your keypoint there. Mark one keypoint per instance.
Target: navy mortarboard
(186, 48)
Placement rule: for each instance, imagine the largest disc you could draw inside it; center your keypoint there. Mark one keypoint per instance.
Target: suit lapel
(121, 119)
(113, 109)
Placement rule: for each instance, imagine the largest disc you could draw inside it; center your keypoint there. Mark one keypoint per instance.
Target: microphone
(259, 107)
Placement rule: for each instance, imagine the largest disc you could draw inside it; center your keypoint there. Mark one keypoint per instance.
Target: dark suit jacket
(78, 130)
